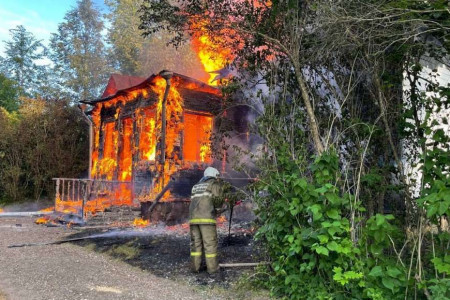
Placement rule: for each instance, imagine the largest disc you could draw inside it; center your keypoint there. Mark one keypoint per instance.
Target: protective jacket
(205, 200)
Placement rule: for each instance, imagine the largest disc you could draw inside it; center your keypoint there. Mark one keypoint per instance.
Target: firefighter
(206, 203)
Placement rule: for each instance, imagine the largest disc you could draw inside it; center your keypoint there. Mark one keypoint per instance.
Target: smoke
(27, 206)
(246, 146)
(131, 233)
(183, 59)
(326, 87)
(155, 230)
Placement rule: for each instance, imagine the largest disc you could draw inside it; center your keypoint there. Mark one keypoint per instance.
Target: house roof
(196, 94)
(119, 82)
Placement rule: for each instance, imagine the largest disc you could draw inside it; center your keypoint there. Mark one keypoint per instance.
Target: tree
(22, 53)
(54, 143)
(124, 35)
(42, 140)
(333, 85)
(140, 56)
(79, 53)
(8, 94)
(266, 30)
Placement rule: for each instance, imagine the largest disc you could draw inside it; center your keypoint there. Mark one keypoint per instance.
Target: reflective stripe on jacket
(202, 208)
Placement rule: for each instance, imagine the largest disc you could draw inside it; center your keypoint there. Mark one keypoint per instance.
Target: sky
(40, 17)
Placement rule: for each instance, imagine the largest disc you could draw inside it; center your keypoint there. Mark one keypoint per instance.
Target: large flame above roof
(210, 51)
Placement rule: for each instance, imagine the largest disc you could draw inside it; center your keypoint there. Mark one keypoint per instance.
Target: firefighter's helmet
(211, 172)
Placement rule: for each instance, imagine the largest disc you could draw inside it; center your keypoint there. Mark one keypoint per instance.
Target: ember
(139, 222)
(221, 219)
(42, 220)
(48, 209)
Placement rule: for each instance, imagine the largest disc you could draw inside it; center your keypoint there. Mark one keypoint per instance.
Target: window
(126, 155)
(197, 135)
(108, 163)
(147, 136)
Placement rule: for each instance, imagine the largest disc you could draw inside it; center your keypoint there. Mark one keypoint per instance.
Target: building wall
(439, 73)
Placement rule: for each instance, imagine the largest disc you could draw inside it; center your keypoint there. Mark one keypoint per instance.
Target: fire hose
(54, 242)
(233, 199)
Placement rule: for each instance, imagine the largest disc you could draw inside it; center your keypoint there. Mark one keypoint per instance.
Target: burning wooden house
(145, 133)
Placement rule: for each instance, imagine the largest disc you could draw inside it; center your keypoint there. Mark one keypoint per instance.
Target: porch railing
(89, 196)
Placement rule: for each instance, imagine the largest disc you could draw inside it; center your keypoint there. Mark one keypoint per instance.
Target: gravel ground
(68, 271)
(164, 252)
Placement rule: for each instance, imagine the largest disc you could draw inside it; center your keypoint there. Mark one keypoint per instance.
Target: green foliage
(435, 164)
(440, 288)
(8, 94)
(127, 44)
(318, 216)
(21, 54)
(41, 141)
(308, 234)
(134, 54)
(79, 54)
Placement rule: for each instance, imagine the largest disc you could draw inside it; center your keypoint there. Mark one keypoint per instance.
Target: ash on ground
(164, 250)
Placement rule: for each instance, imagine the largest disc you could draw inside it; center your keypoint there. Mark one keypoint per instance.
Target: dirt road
(70, 272)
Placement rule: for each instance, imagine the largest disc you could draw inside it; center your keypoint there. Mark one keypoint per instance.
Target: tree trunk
(309, 110)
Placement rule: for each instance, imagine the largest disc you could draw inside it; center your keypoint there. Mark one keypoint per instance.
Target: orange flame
(108, 163)
(139, 222)
(147, 140)
(126, 154)
(174, 113)
(198, 130)
(42, 220)
(48, 209)
(214, 45)
(118, 143)
(221, 219)
(210, 51)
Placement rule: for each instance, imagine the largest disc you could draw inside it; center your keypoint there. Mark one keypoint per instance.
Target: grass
(126, 251)
(248, 287)
(251, 285)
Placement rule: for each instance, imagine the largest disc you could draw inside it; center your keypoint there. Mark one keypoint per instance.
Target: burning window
(147, 137)
(197, 134)
(108, 162)
(126, 155)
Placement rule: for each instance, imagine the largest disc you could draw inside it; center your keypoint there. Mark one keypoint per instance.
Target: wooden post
(163, 130)
(135, 150)
(119, 128)
(91, 136)
(85, 198)
(91, 147)
(73, 190)
(79, 190)
(101, 140)
(160, 195)
(113, 188)
(57, 195)
(181, 155)
(166, 75)
(63, 190)
(69, 186)
(96, 196)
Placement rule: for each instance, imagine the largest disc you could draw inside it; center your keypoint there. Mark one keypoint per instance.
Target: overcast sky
(41, 17)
